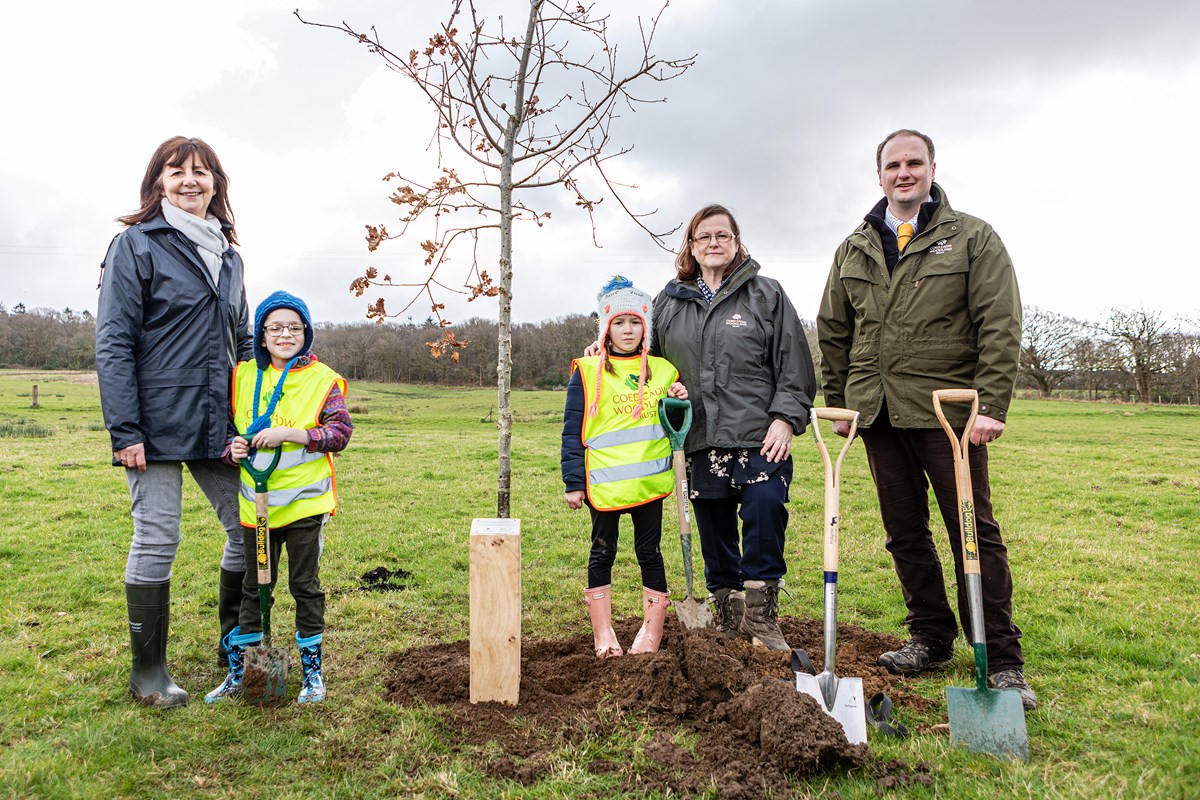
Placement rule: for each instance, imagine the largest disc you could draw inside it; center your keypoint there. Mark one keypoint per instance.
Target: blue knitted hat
(276, 301)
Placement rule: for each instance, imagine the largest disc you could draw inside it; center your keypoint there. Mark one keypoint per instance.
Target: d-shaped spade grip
(675, 435)
(259, 476)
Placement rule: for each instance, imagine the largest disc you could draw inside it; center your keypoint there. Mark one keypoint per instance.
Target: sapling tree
(515, 110)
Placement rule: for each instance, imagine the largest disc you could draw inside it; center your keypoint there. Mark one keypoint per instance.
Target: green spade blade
(988, 721)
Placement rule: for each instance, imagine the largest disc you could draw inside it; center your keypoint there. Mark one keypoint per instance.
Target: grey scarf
(204, 233)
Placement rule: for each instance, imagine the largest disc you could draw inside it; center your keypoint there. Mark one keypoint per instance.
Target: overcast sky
(1067, 126)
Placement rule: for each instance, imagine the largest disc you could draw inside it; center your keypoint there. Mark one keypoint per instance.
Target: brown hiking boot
(1014, 679)
(760, 624)
(914, 658)
(731, 607)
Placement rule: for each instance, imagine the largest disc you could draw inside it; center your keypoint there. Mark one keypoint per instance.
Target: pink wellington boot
(599, 600)
(654, 609)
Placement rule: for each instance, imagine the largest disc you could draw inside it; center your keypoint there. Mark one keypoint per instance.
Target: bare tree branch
(529, 112)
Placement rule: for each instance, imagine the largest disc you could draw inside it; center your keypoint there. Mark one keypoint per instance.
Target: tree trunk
(504, 335)
(504, 319)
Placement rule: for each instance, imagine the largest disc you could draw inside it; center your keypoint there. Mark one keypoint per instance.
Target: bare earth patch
(753, 731)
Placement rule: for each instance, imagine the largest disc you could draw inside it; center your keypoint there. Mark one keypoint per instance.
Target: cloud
(1054, 122)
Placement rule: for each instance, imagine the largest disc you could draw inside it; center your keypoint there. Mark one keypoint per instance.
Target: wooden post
(35, 399)
(495, 610)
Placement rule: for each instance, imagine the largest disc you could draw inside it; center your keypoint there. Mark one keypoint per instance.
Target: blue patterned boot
(235, 645)
(313, 688)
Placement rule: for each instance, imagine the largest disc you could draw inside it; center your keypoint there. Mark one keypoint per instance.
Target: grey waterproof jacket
(744, 358)
(167, 340)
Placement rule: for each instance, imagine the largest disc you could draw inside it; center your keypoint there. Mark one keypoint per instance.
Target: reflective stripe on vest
(303, 483)
(625, 472)
(628, 460)
(283, 497)
(645, 433)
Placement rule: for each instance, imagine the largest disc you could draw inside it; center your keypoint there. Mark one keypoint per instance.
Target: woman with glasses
(743, 356)
(171, 324)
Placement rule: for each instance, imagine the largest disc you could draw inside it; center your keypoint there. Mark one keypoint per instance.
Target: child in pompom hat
(617, 459)
(288, 399)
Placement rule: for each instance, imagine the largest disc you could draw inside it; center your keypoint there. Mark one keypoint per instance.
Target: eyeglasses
(705, 238)
(278, 330)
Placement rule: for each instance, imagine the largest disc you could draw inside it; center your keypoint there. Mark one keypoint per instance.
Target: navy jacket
(574, 473)
(167, 339)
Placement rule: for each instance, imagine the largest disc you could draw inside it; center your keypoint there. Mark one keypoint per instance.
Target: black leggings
(647, 533)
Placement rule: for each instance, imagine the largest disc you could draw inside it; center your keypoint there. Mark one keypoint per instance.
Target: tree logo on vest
(939, 247)
(736, 321)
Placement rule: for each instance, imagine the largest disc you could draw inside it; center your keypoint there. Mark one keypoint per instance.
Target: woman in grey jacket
(741, 352)
(172, 322)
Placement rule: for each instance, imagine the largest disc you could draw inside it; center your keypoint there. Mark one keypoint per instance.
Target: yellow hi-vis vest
(302, 484)
(628, 460)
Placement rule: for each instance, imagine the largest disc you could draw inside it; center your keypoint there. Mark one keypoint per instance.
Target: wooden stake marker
(495, 610)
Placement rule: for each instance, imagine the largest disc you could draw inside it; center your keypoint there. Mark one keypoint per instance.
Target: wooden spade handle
(962, 470)
(955, 395)
(842, 414)
(833, 479)
(262, 535)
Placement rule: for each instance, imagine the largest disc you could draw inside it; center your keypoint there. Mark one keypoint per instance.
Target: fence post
(35, 397)
(495, 601)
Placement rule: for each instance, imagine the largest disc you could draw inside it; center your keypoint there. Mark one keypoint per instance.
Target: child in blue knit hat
(285, 398)
(617, 459)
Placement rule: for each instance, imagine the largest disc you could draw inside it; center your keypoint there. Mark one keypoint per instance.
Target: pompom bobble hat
(274, 302)
(262, 358)
(617, 298)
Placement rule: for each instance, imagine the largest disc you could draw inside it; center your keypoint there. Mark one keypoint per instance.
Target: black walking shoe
(1014, 679)
(914, 658)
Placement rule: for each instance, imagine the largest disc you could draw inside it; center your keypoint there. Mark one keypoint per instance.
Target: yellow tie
(903, 234)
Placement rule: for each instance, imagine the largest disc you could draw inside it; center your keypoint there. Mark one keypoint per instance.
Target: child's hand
(574, 499)
(274, 437)
(677, 390)
(239, 448)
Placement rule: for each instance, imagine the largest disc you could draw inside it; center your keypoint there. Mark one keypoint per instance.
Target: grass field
(1100, 505)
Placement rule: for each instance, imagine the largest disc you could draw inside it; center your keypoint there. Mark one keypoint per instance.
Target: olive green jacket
(948, 317)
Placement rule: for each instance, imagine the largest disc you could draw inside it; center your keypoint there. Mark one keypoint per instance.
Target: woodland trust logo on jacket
(939, 247)
(631, 380)
(736, 321)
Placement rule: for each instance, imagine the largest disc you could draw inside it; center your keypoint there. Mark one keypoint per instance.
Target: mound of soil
(753, 730)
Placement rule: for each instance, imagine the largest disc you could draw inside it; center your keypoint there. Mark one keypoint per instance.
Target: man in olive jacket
(922, 297)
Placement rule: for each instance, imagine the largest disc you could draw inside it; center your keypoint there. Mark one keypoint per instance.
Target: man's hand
(841, 427)
(987, 429)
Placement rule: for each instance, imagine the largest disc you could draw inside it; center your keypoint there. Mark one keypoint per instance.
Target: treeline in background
(1135, 355)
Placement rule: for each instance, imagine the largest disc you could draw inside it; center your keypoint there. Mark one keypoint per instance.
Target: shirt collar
(893, 222)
